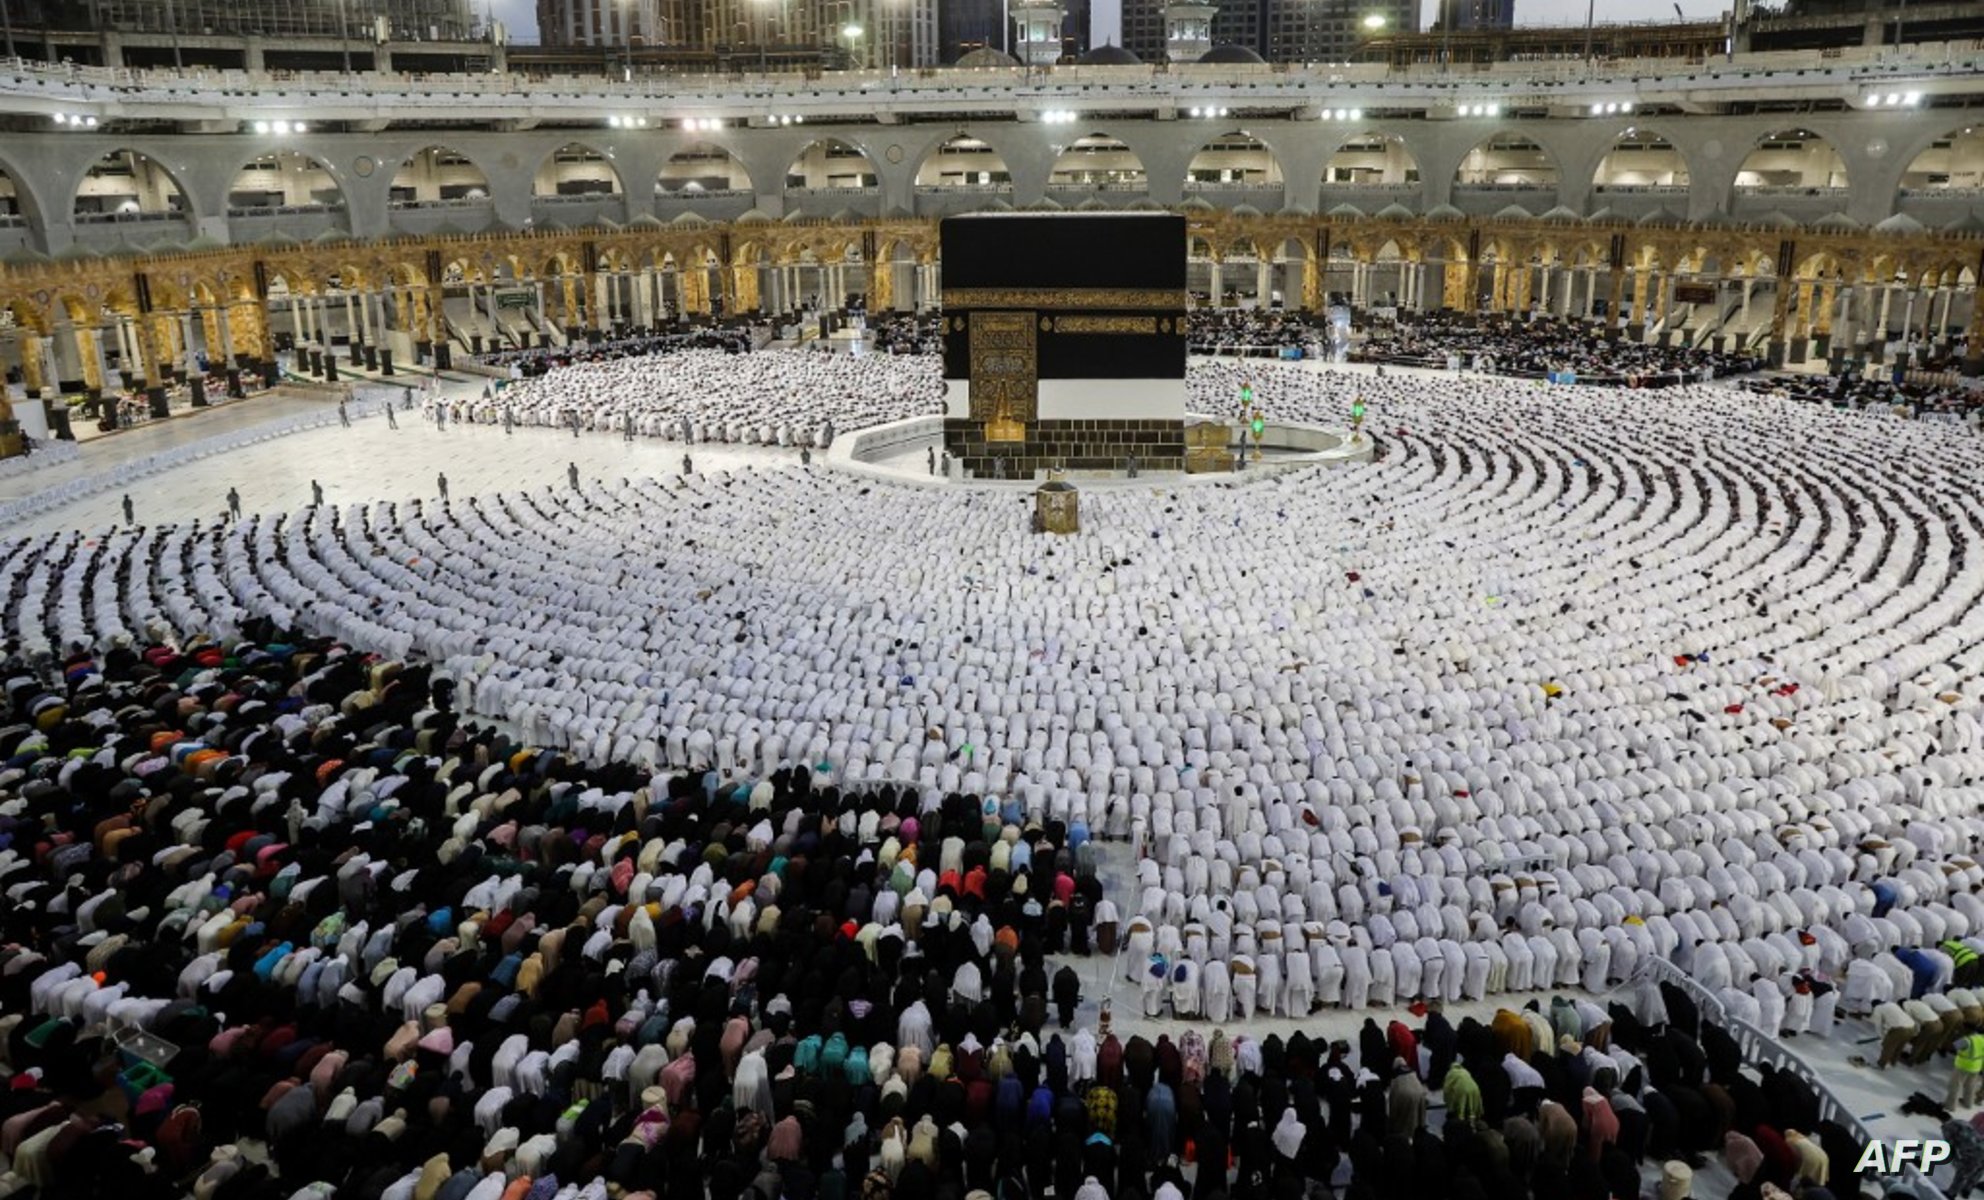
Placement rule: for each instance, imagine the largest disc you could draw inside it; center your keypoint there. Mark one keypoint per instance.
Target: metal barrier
(1759, 1049)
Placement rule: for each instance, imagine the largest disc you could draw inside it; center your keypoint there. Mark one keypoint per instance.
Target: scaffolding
(405, 20)
(1690, 41)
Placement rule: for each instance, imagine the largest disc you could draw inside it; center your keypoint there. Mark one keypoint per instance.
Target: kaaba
(1064, 341)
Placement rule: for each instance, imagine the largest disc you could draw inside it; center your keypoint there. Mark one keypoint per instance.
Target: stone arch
(1642, 159)
(83, 323)
(694, 167)
(1786, 160)
(753, 269)
(1820, 264)
(1385, 271)
(16, 226)
(95, 198)
(820, 172)
(595, 173)
(438, 173)
(1228, 161)
(979, 166)
(461, 269)
(25, 196)
(1097, 160)
(1370, 158)
(283, 161)
(1952, 160)
(1507, 159)
(288, 192)
(892, 276)
(1249, 270)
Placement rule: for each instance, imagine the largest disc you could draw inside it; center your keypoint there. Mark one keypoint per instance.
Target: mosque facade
(266, 209)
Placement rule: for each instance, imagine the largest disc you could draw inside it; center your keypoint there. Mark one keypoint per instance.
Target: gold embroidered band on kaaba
(1103, 324)
(1067, 299)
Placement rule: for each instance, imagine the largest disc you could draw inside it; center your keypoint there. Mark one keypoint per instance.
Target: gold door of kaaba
(1005, 374)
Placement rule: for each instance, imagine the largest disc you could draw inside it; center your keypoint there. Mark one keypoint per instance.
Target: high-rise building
(873, 34)
(1178, 31)
(408, 20)
(1237, 23)
(967, 25)
(1143, 29)
(1282, 30)
(1481, 14)
(601, 23)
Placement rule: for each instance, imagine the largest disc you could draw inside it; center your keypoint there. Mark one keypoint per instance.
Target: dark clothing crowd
(532, 363)
(1250, 331)
(1542, 349)
(1955, 400)
(277, 891)
(907, 333)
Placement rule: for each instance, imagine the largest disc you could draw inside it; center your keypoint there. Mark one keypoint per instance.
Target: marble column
(127, 350)
(105, 380)
(33, 365)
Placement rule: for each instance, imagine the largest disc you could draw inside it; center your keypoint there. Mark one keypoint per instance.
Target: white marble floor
(107, 452)
(372, 461)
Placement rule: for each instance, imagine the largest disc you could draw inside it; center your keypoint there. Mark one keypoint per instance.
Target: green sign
(522, 299)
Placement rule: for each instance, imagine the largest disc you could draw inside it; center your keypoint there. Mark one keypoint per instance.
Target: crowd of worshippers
(907, 333)
(770, 398)
(526, 605)
(276, 890)
(374, 934)
(1540, 348)
(1945, 355)
(530, 363)
(1719, 813)
(1960, 401)
(1231, 330)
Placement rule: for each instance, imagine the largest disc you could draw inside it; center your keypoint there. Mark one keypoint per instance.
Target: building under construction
(1809, 25)
(404, 20)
